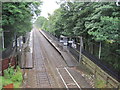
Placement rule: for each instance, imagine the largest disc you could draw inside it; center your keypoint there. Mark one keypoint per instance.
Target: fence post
(107, 81)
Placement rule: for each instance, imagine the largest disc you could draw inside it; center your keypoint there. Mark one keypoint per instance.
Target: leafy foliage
(12, 76)
(9, 72)
(6, 81)
(1, 78)
(99, 20)
(40, 21)
(15, 17)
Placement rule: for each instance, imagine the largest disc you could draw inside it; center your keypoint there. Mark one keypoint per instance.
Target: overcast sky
(48, 7)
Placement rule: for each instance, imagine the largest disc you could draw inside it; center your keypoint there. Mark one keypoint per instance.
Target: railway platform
(52, 67)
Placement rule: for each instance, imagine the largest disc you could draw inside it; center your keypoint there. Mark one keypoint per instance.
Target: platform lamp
(81, 48)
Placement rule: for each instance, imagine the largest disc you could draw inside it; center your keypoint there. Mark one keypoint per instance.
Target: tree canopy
(16, 18)
(99, 20)
(40, 21)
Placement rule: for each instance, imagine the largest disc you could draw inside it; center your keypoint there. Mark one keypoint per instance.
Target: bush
(17, 77)
(1, 82)
(8, 73)
(12, 75)
(6, 81)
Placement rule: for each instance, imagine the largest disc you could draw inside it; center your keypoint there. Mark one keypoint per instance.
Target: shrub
(12, 75)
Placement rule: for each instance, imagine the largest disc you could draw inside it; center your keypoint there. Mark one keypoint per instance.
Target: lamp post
(3, 38)
(3, 46)
(118, 2)
(81, 47)
(100, 50)
(16, 42)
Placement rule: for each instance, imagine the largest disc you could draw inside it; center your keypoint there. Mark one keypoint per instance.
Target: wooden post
(81, 47)
(107, 81)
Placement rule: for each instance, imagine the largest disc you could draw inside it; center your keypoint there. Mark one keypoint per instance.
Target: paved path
(49, 68)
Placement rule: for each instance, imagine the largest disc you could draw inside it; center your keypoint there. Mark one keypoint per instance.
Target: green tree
(16, 18)
(40, 21)
(54, 23)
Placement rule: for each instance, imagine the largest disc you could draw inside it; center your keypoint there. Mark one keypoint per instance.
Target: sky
(48, 7)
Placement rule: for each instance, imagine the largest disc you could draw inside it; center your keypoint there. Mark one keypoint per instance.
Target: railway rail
(67, 78)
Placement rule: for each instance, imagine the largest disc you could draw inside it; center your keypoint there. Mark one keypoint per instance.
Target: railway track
(50, 70)
(68, 79)
(50, 82)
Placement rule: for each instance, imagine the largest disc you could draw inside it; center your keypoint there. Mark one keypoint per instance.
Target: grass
(100, 83)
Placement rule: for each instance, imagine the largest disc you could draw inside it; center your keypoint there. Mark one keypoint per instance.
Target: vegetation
(96, 22)
(12, 75)
(15, 17)
(40, 21)
(99, 20)
(100, 84)
(1, 82)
